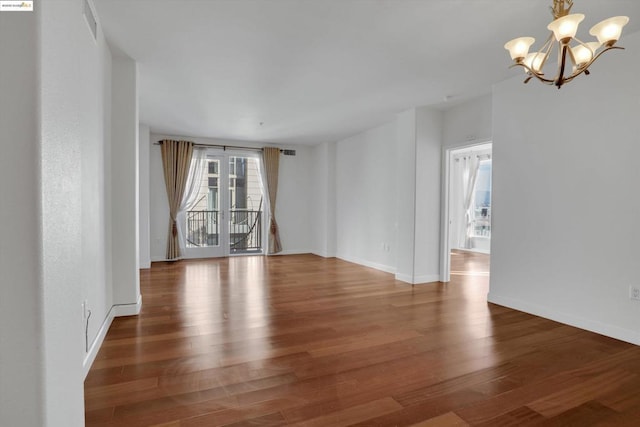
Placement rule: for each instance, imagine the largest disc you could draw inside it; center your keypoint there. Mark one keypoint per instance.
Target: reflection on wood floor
(464, 263)
(304, 340)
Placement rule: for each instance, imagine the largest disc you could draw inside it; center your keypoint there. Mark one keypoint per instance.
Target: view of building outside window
(245, 203)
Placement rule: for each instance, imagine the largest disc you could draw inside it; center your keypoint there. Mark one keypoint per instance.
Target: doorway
(467, 209)
(228, 215)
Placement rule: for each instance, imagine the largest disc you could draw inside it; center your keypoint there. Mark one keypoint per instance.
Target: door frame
(223, 249)
(445, 246)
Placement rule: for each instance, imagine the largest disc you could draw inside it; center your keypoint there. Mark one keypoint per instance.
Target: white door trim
(445, 247)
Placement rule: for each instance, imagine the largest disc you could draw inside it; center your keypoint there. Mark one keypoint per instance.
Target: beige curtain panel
(271, 164)
(176, 160)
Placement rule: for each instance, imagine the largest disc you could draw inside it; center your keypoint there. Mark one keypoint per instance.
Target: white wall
(404, 152)
(57, 107)
(293, 209)
(74, 132)
(323, 204)
(387, 196)
(143, 178)
(21, 321)
(428, 187)
(365, 198)
(124, 186)
(94, 107)
(468, 123)
(158, 203)
(293, 202)
(564, 238)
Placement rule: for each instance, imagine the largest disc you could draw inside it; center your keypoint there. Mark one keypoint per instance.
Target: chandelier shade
(518, 48)
(609, 30)
(583, 53)
(574, 56)
(565, 28)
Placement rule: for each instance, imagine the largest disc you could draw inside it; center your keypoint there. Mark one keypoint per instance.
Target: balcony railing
(203, 228)
(245, 229)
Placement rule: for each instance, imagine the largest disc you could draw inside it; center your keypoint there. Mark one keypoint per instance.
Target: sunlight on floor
(470, 273)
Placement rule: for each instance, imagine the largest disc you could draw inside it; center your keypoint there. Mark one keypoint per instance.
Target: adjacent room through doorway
(469, 208)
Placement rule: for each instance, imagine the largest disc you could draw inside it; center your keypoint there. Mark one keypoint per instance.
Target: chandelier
(563, 39)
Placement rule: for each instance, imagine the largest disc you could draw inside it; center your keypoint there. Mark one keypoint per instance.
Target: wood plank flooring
(302, 340)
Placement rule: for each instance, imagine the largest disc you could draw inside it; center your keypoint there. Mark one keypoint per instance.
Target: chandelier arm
(603, 51)
(546, 50)
(559, 80)
(533, 73)
(585, 68)
(547, 46)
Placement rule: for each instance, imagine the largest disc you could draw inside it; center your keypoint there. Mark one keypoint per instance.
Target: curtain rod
(224, 147)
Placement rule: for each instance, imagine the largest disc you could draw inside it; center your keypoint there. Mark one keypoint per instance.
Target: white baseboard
(427, 278)
(127, 309)
(622, 334)
(418, 280)
(375, 265)
(115, 311)
(323, 254)
(406, 278)
(97, 343)
(292, 252)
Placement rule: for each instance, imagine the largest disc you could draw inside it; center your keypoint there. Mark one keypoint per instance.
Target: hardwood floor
(302, 340)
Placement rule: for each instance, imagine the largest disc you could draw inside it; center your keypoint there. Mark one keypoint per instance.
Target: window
(482, 200)
(212, 200)
(213, 168)
(212, 181)
(227, 217)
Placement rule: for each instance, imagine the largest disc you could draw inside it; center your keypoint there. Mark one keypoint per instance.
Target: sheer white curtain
(469, 176)
(465, 172)
(191, 192)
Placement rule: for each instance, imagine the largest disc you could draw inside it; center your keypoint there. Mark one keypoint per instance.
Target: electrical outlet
(634, 292)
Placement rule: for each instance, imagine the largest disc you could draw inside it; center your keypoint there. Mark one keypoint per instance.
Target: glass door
(227, 217)
(206, 229)
(246, 205)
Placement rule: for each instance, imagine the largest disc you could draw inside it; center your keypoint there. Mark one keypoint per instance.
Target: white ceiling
(311, 71)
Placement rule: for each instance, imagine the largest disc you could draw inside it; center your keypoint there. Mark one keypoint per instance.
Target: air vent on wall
(289, 152)
(91, 19)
